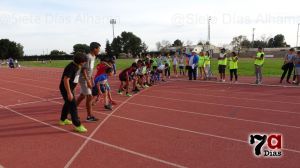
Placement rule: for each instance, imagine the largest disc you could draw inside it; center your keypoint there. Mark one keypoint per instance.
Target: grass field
(272, 67)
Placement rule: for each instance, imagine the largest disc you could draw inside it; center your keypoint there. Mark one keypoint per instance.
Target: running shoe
(128, 95)
(80, 129)
(108, 107)
(66, 122)
(91, 119)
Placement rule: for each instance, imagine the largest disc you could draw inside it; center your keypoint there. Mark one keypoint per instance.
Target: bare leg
(80, 99)
(89, 105)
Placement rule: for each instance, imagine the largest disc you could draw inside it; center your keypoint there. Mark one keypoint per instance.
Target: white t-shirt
(161, 67)
(89, 66)
(175, 61)
(222, 55)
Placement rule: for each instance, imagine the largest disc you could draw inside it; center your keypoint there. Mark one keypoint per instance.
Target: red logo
(270, 145)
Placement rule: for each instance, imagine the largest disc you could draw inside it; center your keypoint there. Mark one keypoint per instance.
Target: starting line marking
(98, 141)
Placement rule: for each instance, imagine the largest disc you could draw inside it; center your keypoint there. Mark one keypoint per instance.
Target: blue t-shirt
(290, 57)
(10, 60)
(297, 62)
(102, 79)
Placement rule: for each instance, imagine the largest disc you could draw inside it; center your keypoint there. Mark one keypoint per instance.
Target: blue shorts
(103, 89)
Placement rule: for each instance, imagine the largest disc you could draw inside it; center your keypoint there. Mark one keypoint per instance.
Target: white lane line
(230, 97)
(30, 95)
(20, 83)
(223, 105)
(226, 90)
(33, 102)
(240, 83)
(46, 81)
(100, 142)
(216, 116)
(99, 126)
(191, 131)
(136, 153)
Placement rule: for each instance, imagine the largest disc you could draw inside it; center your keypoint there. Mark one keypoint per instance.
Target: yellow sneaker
(80, 129)
(66, 122)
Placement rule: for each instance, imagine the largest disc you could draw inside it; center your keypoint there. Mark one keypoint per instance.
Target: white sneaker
(223, 81)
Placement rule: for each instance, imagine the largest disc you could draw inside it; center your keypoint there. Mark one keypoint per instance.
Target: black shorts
(123, 78)
(181, 67)
(222, 68)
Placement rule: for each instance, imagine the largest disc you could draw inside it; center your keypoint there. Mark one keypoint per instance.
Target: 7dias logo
(267, 145)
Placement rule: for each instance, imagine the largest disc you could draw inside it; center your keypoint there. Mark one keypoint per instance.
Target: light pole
(297, 35)
(208, 37)
(113, 22)
(253, 35)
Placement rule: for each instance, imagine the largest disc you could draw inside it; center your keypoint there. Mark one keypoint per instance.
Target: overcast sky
(43, 25)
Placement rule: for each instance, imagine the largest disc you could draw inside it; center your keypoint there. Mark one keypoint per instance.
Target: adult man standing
(193, 63)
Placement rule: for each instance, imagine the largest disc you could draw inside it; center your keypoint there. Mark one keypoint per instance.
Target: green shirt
(223, 61)
(154, 62)
(167, 61)
(260, 62)
(233, 62)
(201, 61)
(206, 60)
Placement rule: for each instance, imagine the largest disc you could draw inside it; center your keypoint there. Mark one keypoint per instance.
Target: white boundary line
(190, 131)
(196, 132)
(280, 111)
(133, 152)
(30, 95)
(100, 142)
(51, 100)
(240, 83)
(33, 102)
(224, 105)
(226, 90)
(20, 83)
(99, 126)
(291, 150)
(216, 116)
(231, 97)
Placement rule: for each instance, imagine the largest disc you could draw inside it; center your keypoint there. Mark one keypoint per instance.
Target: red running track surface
(179, 123)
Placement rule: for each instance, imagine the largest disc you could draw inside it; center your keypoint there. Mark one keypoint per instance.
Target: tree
(240, 42)
(144, 47)
(128, 43)
(279, 41)
(189, 43)
(158, 46)
(108, 48)
(246, 43)
(259, 43)
(177, 43)
(57, 52)
(116, 46)
(81, 48)
(10, 49)
(271, 43)
(166, 44)
(200, 43)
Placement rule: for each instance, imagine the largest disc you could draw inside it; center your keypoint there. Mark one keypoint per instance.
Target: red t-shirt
(101, 68)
